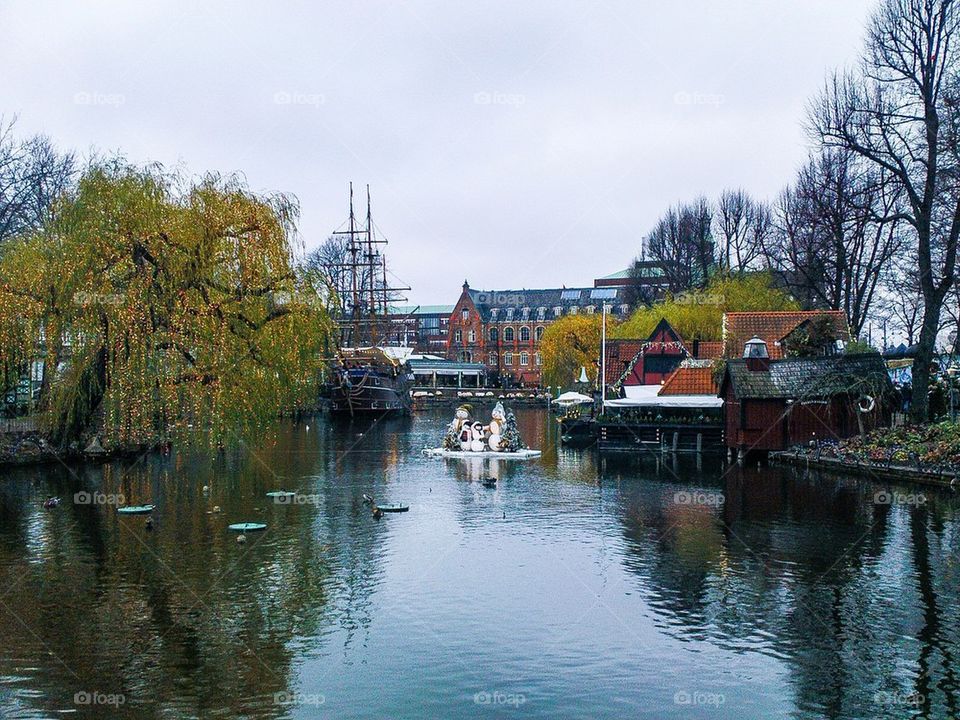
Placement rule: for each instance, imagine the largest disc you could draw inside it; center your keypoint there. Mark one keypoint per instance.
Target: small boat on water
(394, 508)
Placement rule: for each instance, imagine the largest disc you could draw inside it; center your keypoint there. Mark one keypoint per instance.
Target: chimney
(755, 353)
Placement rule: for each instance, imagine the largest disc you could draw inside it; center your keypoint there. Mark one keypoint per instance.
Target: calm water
(575, 589)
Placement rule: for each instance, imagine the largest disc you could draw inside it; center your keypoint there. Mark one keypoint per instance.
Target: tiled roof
(708, 349)
(772, 327)
(619, 354)
(689, 381)
(812, 378)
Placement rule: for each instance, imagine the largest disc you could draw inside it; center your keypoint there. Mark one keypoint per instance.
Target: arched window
(538, 333)
(492, 359)
(524, 334)
(472, 336)
(524, 358)
(538, 358)
(493, 335)
(466, 356)
(508, 359)
(458, 335)
(508, 334)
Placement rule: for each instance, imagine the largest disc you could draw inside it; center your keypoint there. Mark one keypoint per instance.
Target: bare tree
(32, 176)
(682, 243)
(899, 113)
(835, 236)
(742, 227)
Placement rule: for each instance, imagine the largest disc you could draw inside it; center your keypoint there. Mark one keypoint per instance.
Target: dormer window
(557, 311)
(541, 313)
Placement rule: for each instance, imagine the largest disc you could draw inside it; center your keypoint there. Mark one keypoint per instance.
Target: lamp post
(951, 374)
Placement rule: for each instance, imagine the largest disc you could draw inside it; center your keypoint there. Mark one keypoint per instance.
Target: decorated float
(469, 438)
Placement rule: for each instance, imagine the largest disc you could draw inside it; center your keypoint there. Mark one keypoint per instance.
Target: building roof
(772, 328)
(565, 298)
(421, 309)
(442, 367)
(619, 355)
(689, 381)
(809, 378)
(708, 349)
(619, 275)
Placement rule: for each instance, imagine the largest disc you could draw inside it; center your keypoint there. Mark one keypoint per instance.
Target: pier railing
(18, 425)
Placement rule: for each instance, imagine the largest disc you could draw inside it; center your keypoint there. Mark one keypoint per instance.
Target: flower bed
(926, 447)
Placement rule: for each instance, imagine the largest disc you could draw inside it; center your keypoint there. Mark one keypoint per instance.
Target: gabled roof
(619, 354)
(687, 380)
(772, 328)
(809, 378)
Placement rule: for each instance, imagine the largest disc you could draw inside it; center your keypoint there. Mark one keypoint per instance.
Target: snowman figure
(453, 440)
(498, 417)
(476, 443)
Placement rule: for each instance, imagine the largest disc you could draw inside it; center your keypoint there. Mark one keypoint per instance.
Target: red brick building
(503, 328)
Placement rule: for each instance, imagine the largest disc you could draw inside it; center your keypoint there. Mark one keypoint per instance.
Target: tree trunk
(920, 405)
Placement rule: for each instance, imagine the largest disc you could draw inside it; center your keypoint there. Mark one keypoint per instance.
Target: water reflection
(591, 587)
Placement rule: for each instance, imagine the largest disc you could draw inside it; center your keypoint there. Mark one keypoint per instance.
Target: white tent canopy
(573, 398)
(646, 396)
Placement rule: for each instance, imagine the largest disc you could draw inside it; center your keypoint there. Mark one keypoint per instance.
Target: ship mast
(367, 300)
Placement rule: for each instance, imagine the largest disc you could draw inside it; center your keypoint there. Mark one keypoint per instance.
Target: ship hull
(371, 389)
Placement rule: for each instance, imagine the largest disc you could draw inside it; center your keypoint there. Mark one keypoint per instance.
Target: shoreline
(884, 472)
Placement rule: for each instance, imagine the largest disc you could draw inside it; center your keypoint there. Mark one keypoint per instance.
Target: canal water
(577, 588)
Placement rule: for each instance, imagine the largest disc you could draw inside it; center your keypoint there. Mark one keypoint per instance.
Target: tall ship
(371, 373)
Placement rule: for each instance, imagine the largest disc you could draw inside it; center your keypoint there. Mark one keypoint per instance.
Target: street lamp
(951, 374)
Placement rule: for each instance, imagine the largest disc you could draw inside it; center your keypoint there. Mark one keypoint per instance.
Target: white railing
(18, 425)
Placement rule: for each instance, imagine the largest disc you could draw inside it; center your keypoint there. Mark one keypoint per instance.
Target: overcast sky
(514, 144)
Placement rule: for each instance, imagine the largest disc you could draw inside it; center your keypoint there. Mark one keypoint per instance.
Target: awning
(573, 398)
(646, 396)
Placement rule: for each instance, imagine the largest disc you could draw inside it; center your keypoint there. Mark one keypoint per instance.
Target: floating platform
(246, 527)
(136, 509)
(525, 454)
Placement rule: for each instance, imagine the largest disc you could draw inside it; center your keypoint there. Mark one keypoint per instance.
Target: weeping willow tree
(161, 306)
